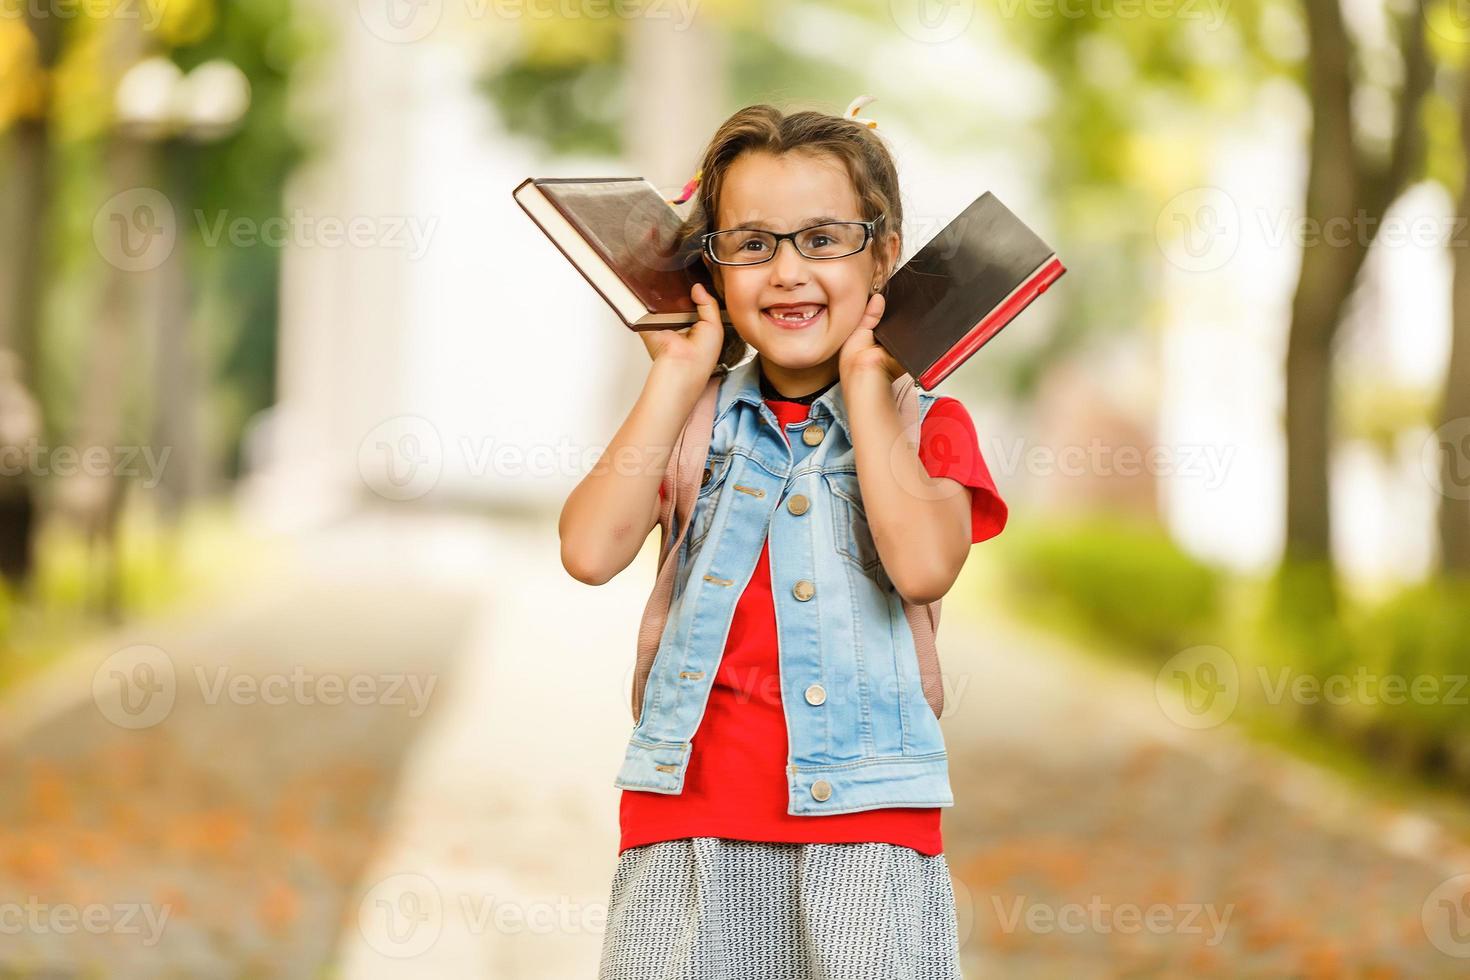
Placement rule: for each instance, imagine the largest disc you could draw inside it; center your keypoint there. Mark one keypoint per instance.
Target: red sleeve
(949, 447)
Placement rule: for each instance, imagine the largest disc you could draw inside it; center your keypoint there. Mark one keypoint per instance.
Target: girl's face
(784, 193)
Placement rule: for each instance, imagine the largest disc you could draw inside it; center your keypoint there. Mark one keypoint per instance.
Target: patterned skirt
(709, 908)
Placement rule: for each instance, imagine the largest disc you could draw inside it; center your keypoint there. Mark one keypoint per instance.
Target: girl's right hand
(695, 348)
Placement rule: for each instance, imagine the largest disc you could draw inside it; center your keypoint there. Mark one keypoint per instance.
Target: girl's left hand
(861, 353)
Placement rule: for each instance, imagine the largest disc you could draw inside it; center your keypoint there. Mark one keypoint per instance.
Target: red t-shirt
(735, 783)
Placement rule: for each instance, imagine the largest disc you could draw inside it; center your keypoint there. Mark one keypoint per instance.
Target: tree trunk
(1346, 201)
(1454, 418)
(29, 188)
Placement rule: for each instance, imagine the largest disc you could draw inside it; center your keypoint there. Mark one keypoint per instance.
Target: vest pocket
(850, 533)
(702, 518)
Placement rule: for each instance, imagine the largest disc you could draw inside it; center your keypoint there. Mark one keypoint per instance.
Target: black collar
(769, 392)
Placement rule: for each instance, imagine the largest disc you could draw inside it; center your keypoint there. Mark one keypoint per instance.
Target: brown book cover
(962, 288)
(620, 234)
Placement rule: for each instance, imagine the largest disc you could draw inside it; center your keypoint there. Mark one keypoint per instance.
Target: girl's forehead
(786, 192)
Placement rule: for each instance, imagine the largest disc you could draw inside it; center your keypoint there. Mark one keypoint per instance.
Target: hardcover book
(946, 302)
(619, 233)
(958, 291)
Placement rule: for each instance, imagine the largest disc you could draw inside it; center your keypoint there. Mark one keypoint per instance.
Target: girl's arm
(920, 523)
(609, 515)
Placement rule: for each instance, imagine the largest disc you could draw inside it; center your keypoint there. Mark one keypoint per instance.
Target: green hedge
(1127, 579)
(1128, 585)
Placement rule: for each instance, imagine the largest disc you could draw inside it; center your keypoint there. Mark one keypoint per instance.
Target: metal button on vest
(816, 694)
(821, 790)
(813, 435)
(803, 590)
(797, 504)
(707, 474)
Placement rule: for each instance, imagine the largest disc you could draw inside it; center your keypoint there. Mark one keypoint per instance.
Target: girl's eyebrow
(815, 220)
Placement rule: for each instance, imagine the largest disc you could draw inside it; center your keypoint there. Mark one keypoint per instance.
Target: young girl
(783, 785)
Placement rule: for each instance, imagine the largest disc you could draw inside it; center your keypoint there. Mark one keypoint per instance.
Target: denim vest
(860, 732)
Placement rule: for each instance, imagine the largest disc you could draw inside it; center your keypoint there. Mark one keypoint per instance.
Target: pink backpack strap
(923, 618)
(681, 487)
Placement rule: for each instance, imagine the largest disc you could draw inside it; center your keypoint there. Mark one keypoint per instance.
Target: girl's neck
(800, 384)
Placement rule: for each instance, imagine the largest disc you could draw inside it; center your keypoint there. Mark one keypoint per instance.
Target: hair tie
(851, 112)
(688, 190)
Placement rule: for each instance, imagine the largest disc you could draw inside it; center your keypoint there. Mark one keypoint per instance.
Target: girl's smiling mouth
(794, 316)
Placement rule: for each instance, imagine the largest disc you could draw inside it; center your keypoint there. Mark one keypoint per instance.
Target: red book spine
(993, 321)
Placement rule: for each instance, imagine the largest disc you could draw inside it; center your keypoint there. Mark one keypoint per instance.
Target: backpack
(681, 487)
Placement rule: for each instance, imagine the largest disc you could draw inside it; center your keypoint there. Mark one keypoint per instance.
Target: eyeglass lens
(747, 246)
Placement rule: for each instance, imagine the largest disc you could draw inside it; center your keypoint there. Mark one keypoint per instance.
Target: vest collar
(743, 384)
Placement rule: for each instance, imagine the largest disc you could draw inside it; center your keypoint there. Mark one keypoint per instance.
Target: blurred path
(210, 810)
(1076, 797)
(1079, 806)
(477, 838)
(500, 857)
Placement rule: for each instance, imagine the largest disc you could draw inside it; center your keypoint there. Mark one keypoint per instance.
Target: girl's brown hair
(765, 128)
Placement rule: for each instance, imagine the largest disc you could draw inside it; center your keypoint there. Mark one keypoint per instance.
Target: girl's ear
(716, 275)
(889, 264)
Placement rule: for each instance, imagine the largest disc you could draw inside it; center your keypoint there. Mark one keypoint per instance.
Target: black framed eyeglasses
(753, 246)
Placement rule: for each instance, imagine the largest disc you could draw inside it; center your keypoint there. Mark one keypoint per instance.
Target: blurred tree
(207, 318)
(1139, 93)
(1454, 415)
(1132, 85)
(20, 425)
(28, 52)
(1352, 183)
(565, 81)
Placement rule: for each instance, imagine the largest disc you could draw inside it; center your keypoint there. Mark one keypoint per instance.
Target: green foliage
(243, 177)
(571, 96)
(1384, 679)
(569, 109)
(1126, 579)
(1387, 678)
(1422, 634)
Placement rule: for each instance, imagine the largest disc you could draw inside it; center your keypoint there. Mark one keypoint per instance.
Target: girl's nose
(788, 268)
